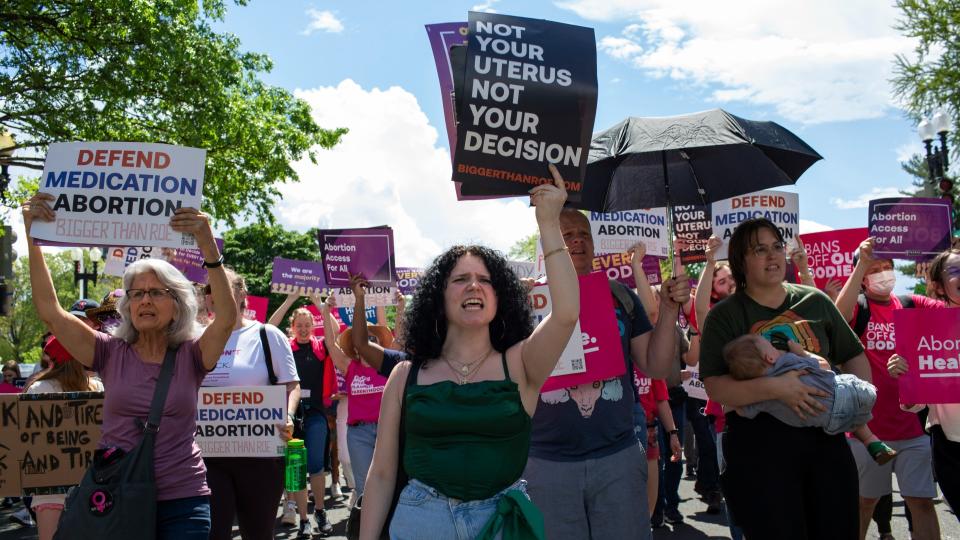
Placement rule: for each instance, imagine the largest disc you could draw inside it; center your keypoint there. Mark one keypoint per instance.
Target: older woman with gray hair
(157, 313)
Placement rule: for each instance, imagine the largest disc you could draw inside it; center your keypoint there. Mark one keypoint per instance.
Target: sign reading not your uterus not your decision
(119, 194)
(530, 98)
(909, 227)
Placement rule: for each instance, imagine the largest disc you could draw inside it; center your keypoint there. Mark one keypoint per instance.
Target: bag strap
(160, 392)
(267, 356)
(906, 301)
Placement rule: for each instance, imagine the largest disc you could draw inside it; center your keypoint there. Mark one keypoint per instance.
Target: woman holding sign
(763, 454)
(943, 421)
(157, 313)
(467, 396)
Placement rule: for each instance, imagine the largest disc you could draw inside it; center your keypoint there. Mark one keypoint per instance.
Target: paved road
(697, 524)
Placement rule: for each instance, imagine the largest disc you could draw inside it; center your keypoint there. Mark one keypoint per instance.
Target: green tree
(153, 71)
(524, 249)
(20, 332)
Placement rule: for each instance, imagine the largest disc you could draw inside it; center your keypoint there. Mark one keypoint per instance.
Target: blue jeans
(361, 439)
(853, 401)
(423, 512)
(668, 492)
(707, 475)
(184, 519)
(315, 439)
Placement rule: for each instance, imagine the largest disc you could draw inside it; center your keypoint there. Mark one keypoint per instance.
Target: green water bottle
(295, 473)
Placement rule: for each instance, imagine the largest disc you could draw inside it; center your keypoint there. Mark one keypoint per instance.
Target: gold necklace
(466, 367)
(464, 376)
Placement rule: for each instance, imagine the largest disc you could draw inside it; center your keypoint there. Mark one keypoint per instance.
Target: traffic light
(7, 256)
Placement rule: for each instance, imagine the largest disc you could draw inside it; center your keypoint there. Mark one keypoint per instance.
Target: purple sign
(408, 279)
(909, 227)
(617, 266)
(348, 252)
(190, 262)
(290, 276)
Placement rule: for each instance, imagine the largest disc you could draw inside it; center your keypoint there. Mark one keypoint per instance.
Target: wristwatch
(674, 432)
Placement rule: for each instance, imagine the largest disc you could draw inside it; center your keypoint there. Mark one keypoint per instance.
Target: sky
(819, 68)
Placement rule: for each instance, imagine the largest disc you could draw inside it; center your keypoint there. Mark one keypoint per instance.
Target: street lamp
(81, 277)
(937, 157)
(7, 145)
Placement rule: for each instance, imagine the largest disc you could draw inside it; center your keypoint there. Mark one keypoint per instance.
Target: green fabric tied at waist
(516, 517)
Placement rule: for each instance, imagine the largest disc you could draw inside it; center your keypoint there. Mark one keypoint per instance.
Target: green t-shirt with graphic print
(806, 316)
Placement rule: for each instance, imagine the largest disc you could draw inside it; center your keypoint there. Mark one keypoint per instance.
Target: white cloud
(907, 150)
(390, 170)
(807, 226)
(815, 61)
(323, 21)
(864, 199)
(486, 6)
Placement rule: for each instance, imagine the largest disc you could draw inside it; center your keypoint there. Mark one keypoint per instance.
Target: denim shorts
(853, 399)
(315, 436)
(424, 513)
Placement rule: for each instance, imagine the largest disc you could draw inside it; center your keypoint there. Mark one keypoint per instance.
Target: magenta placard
(617, 266)
(927, 339)
(831, 253)
(256, 308)
(600, 334)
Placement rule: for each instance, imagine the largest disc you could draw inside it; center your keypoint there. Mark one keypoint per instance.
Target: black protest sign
(529, 98)
(692, 227)
(56, 436)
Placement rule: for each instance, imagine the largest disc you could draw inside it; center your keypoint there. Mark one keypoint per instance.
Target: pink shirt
(365, 387)
(129, 383)
(890, 422)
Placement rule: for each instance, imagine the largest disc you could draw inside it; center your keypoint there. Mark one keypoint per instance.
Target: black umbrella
(690, 159)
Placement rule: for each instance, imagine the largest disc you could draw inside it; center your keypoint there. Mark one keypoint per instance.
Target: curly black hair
(426, 319)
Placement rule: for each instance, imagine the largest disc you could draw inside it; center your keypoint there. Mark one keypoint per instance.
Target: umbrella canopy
(691, 159)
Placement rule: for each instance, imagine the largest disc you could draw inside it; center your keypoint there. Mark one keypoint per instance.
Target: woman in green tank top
(467, 395)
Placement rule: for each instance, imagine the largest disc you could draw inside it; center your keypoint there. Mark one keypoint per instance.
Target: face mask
(881, 283)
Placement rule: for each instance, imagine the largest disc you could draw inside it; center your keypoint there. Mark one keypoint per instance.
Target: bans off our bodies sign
(530, 99)
(830, 253)
(119, 194)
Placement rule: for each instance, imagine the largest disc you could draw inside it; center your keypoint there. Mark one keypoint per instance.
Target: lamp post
(81, 277)
(937, 156)
(7, 145)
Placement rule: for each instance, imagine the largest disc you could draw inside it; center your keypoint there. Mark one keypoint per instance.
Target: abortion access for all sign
(830, 253)
(349, 252)
(119, 193)
(927, 340)
(530, 99)
(910, 227)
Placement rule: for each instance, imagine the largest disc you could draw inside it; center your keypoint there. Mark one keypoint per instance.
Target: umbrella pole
(670, 239)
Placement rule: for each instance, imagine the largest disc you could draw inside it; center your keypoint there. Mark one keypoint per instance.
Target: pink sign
(256, 308)
(600, 335)
(927, 339)
(318, 320)
(831, 253)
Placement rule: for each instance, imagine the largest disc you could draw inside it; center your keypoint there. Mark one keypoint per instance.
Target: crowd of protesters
(440, 423)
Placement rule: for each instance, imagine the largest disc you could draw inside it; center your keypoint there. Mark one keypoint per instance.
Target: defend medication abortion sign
(927, 339)
(530, 99)
(241, 421)
(780, 207)
(830, 253)
(119, 194)
(910, 227)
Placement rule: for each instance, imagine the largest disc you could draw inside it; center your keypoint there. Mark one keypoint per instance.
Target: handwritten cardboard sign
(530, 97)
(780, 207)
(927, 339)
(119, 193)
(241, 421)
(47, 440)
(910, 227)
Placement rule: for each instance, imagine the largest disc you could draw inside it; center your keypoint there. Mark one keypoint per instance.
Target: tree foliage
(524, 249)
(153, 71)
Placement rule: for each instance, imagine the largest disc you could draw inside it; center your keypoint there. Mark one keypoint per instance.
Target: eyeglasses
(136, 295)
(762, 250)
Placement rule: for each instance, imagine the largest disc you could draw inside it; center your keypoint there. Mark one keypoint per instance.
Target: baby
(848, 405)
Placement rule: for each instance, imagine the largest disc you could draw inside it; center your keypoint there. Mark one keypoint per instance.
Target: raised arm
(372, 353)
(401, 314)
(637, 252)
(541, 351)
(330, 332)
(78, 338)
(847, 299)
(281, 311)
(216, 334)
(701, 302)
(800, 259)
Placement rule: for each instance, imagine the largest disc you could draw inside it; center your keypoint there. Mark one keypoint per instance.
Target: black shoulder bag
(117, 497)
(353, 521)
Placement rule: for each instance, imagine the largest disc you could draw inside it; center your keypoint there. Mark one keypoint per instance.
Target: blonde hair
(299, 312)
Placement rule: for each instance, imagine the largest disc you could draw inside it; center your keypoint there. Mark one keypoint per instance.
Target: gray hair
(184, 326)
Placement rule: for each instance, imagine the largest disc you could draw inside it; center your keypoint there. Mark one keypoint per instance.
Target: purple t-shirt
(129, 383)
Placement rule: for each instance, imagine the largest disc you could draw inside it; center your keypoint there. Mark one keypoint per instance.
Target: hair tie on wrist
(554, 251)
(215, 264)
